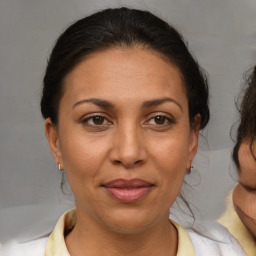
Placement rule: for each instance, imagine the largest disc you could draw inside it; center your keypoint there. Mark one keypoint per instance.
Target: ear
(52, 136)
(193, 140)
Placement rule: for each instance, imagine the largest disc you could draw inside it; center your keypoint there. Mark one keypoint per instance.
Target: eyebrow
(98, 102)
(156, 102)
(146, 104)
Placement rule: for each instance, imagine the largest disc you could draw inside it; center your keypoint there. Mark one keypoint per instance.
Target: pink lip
(128, 191)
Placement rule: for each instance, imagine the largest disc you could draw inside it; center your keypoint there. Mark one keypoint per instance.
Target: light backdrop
(220, 33)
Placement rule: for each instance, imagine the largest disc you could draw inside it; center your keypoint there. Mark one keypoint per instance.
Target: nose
(128, 148)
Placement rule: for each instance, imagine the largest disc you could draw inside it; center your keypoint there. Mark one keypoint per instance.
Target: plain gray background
(221, 34)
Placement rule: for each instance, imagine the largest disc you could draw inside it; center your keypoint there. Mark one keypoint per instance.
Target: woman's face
(124, 137)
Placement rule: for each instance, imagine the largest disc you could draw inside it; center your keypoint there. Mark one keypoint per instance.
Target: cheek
(83, 160)
(83, 157)
(171, 153)
(170, 159)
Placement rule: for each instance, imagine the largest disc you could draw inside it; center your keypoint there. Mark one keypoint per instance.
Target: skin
(128, 142)
(244, 195)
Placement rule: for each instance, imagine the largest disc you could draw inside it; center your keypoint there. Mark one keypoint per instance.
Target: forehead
(125, 73)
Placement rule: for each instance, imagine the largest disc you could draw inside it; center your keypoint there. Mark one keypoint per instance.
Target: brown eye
(98, 120)
(160, 120)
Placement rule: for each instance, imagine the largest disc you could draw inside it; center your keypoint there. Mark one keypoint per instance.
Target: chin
(248, 222)
(130, 221)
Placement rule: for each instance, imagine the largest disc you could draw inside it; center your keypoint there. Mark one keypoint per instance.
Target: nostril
(138, 162)
(117, 162)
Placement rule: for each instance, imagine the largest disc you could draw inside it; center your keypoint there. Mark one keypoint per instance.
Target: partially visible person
(240, 219)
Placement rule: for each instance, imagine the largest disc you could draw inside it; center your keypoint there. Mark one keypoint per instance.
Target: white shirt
(209, 240)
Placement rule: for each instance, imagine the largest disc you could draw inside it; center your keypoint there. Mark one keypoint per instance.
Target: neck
(90, 238)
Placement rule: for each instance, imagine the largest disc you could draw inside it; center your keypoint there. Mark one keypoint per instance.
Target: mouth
(128, 191)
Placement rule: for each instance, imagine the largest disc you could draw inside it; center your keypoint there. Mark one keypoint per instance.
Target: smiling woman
(119, 150)
(123, 102)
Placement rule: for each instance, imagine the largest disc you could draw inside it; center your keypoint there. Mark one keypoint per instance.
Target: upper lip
(124, 183)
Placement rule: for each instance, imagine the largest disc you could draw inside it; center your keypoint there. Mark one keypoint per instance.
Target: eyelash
(168, 121)
(93, 117)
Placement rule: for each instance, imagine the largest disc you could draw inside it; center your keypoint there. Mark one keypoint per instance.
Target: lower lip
(128, 195)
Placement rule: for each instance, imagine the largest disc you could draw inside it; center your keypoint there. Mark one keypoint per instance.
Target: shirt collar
(56, 245)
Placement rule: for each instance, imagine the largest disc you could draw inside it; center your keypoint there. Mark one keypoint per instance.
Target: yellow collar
(56, 245)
